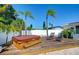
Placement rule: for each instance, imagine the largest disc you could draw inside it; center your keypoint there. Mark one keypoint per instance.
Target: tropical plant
(7, 16)
(44, 25)
(67, 33)
(30, 27)
(9, 22)
(52, 13)
(5, 28)
(3, 7)
(18, 25)
(27, 14)
(15, 26)
(7, 11)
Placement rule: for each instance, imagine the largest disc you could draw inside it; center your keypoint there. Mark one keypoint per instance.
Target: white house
(74, 26)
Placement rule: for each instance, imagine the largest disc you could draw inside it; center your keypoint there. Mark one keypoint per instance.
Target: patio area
(44, 47)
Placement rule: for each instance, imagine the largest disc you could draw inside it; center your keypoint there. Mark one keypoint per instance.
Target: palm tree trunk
(25, 26)
(20, 33)
(47, 26)
(6, 37)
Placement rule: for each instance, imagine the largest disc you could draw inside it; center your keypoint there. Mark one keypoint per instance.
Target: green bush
(67, 33)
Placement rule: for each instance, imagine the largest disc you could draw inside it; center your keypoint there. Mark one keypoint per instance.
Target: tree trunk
(25, 26)
(6, 37)
(20, 33)
(47, 26)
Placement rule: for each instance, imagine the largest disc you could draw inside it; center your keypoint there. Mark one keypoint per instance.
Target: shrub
(67, 33)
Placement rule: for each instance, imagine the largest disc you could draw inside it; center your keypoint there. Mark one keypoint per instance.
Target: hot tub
(24, 41)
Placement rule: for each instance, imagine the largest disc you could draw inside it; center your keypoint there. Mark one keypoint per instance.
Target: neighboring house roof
(72, 24)
(55, 27)
(40, 28)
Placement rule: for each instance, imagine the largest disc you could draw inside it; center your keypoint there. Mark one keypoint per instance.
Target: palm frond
(51, 13)
(32, 17)
(27, 14)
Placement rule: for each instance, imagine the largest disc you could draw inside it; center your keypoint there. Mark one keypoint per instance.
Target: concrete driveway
(71, 51)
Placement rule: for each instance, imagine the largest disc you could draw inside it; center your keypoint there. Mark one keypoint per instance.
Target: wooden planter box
(24, 41)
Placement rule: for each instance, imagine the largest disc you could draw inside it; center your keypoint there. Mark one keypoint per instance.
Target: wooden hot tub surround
(24, 41)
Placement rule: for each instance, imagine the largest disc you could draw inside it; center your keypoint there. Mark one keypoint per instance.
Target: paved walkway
(71, 51)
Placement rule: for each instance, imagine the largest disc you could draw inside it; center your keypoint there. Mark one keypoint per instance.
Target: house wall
(75, 35)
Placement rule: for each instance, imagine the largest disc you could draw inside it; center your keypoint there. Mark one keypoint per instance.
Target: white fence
(42, 32)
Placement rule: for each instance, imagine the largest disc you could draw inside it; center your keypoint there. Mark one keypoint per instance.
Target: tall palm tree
(52, 13)
(27, 14)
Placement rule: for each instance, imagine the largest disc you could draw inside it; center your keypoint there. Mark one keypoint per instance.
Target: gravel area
(71, 51)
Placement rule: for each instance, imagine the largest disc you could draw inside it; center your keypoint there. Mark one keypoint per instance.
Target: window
(77, 29)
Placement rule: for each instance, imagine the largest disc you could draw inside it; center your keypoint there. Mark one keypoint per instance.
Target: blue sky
(65, 13)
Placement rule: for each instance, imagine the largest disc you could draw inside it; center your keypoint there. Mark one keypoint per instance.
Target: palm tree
(18, 25)
(27, 14)
(30, 27)
(14, 26)
(4, 27)
(52, 13)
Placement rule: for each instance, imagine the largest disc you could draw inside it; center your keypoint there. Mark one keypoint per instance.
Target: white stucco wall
(10, 35)
(42, 32)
